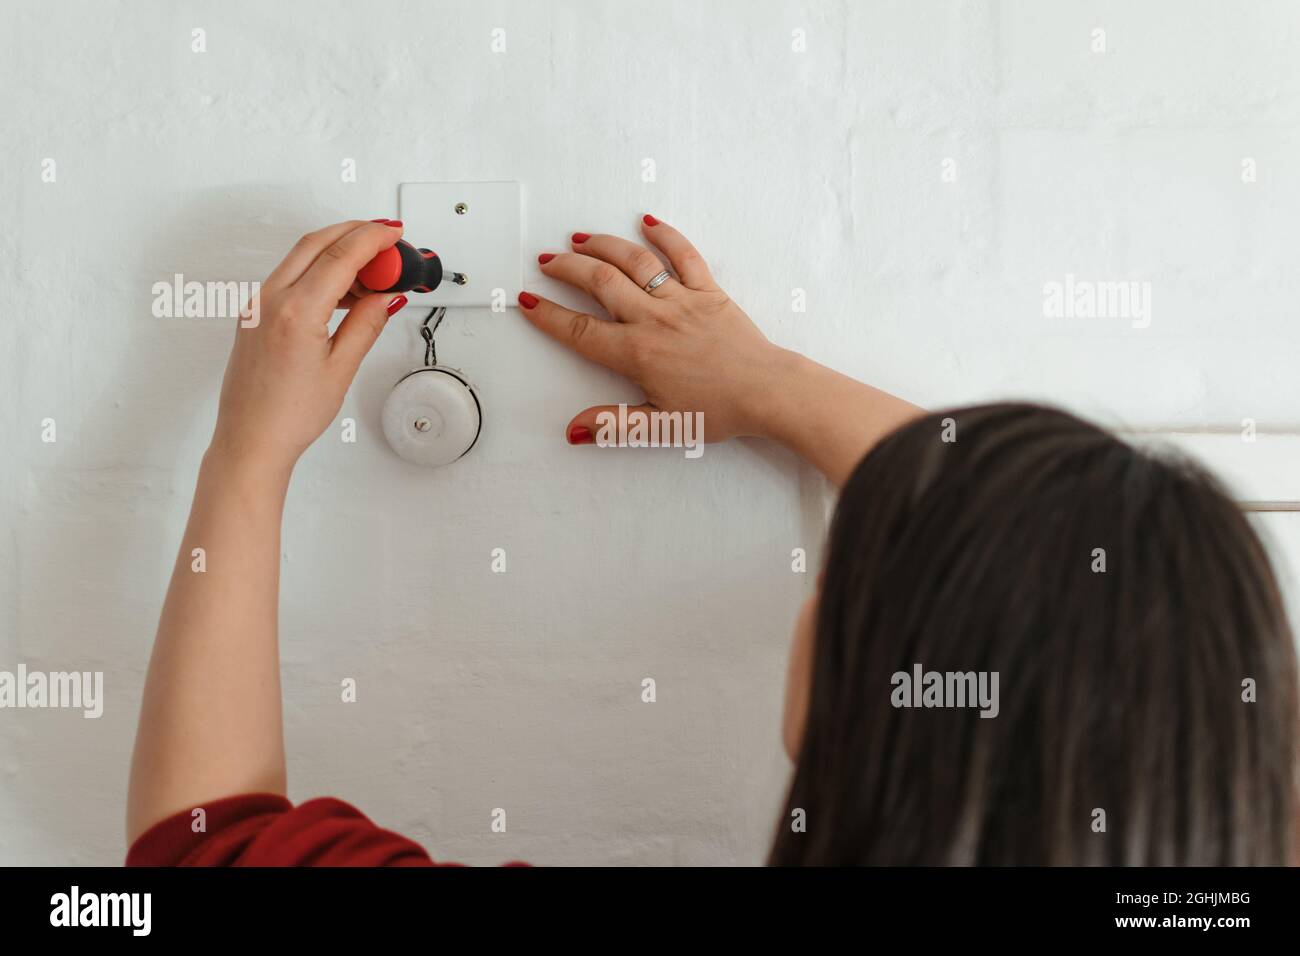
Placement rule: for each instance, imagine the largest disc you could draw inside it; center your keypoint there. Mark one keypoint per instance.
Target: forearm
(210, 721)
(829, 419)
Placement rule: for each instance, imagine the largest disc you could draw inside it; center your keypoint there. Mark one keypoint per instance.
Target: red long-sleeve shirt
(263, 829)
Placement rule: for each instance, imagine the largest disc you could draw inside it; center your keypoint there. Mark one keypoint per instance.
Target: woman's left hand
(287, 376)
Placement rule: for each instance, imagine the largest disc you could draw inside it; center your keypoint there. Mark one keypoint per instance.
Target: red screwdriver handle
(401, 268)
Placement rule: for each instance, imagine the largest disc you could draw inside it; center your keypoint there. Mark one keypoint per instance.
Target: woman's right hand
(691, 349)
(686, 344)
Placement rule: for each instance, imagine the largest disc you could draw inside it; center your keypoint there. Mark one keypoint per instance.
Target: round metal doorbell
(432, 416)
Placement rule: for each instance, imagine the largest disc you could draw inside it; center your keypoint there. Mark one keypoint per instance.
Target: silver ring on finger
(657, 281)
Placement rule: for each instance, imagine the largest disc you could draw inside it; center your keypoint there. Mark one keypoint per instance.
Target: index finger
(592, 338)
(328, 279)
(304, 252)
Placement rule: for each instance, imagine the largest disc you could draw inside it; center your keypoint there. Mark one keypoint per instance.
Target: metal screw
(459, 278)
(461, 208)
(423, 424)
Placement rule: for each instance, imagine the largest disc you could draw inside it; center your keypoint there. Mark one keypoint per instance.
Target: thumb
(361, 327)
(600, 424)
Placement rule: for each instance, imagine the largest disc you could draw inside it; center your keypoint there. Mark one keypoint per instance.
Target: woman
(1031, 644)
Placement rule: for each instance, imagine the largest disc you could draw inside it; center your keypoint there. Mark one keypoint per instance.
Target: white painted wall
(818, 170)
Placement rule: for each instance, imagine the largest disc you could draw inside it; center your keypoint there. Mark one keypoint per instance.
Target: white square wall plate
(484, 240)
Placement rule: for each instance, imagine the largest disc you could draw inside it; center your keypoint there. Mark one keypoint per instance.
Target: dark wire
(431, 350)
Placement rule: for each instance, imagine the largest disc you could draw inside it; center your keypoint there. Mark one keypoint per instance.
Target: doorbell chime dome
(432, 416)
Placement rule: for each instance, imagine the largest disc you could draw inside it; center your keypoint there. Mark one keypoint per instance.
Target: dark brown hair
(1122, 690)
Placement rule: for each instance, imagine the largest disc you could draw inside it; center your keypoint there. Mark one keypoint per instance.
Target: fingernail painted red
(580, 237)
(528, 300)
(379, 220)
(394, 222)
(545, 257)
(396, 304)
(580, 435)
(649, 220)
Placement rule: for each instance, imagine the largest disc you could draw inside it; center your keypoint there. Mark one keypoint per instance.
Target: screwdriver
(403, 267)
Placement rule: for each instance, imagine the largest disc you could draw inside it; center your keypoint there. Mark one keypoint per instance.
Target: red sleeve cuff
(264, 829)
